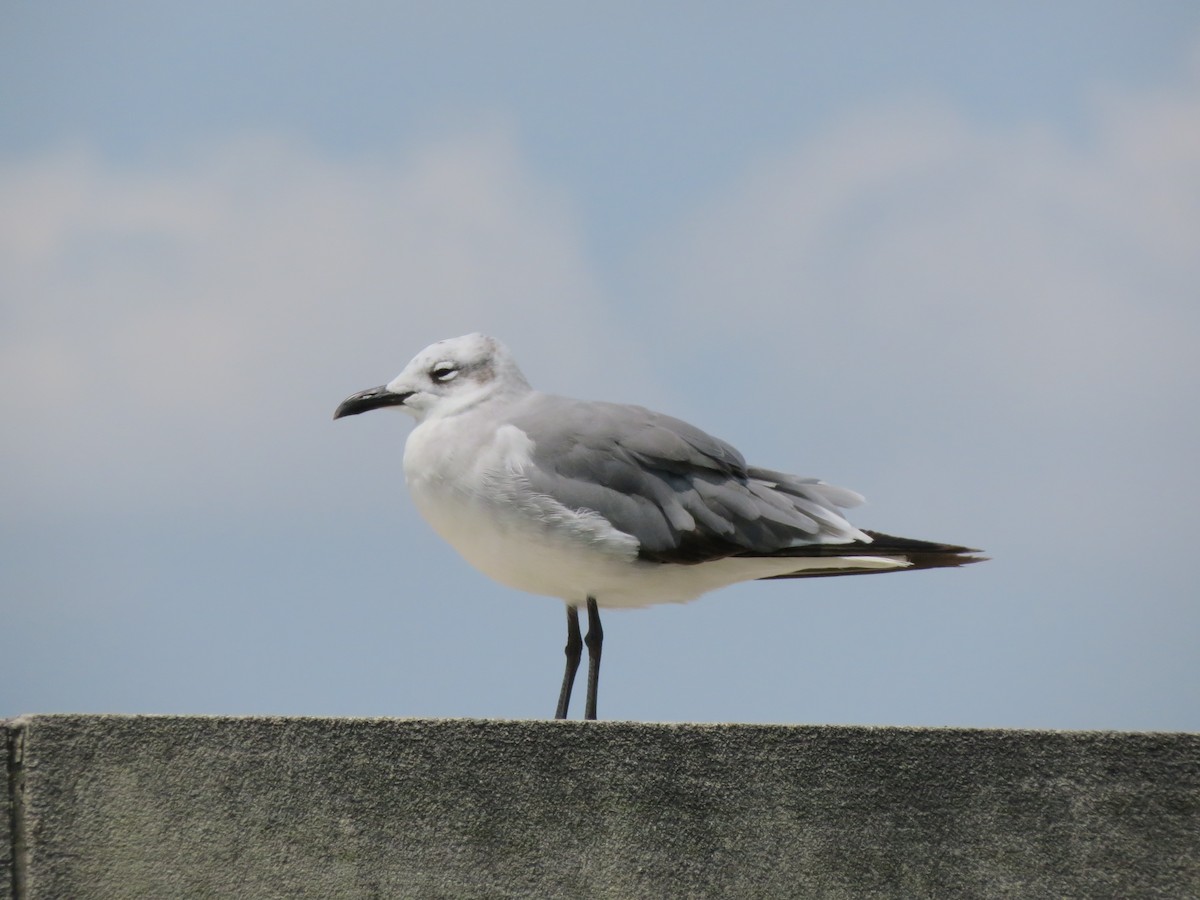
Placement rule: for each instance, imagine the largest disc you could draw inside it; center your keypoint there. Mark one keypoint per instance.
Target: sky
(942, 254)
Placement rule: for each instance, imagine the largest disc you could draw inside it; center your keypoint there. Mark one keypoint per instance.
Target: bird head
(443, 379)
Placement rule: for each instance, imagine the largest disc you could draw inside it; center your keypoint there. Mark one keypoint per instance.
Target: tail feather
(918, 555)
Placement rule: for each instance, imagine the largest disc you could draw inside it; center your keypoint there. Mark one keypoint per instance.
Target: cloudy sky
(943, 254)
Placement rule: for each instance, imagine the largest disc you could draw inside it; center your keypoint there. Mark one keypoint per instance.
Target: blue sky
(942, 255)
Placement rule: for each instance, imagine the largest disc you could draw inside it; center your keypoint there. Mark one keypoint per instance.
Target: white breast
(474, 495)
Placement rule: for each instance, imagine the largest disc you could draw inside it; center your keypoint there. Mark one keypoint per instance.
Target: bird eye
(443, 372)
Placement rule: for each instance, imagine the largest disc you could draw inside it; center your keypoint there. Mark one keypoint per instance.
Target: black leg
(594, 639)
(574, 651)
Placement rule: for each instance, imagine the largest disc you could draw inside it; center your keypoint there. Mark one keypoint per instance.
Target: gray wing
(686, 496)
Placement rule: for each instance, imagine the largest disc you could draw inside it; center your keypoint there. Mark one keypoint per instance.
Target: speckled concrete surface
(164, 807)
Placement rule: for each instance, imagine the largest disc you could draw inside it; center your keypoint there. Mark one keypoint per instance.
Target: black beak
(372, 398)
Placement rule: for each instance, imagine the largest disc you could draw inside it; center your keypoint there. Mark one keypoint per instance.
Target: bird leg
(574, 651)
(594, 640)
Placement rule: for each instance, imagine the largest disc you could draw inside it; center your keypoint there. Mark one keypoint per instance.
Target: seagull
(609, 505)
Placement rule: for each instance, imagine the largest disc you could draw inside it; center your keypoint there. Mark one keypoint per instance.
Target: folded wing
(686, 496)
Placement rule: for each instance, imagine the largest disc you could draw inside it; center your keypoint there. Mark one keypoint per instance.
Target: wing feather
(687, 497)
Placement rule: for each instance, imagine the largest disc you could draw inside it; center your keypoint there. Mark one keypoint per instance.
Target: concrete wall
(164, 807)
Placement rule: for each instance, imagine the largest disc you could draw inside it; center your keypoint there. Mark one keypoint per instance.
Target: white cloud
(1050, 268)
(199, 318)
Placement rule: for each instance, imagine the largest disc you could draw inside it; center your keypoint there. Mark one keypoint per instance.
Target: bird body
(532, 541)
(609, 505)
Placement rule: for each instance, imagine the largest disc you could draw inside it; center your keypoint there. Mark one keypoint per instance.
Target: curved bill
(372, 398)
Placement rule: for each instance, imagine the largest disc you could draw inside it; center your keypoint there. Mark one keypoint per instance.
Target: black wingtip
(918, 554)
(923, 554)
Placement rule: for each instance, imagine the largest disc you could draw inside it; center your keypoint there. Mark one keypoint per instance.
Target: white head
(443, 379)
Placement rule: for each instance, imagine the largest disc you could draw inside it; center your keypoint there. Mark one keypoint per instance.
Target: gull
(606, 504)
